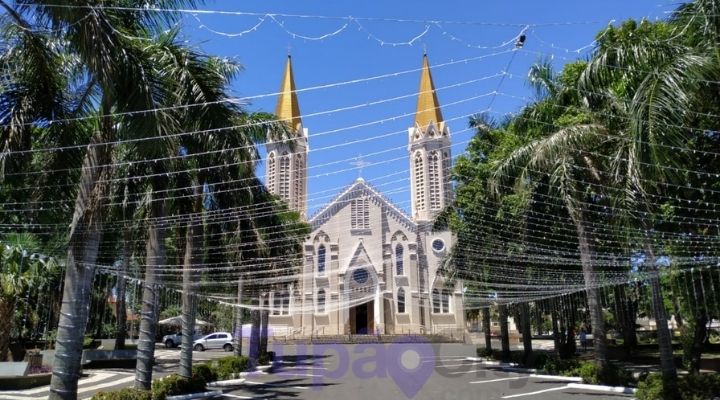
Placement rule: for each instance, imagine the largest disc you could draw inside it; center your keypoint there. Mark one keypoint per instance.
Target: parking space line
(536, 392)
(512, 378)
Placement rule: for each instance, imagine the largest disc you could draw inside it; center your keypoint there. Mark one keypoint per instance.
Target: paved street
(354, 372)
(350, 372)
(97, 380)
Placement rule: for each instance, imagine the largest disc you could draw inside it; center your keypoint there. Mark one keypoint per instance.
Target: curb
(203, 395)
(560, 378)
(229, 382)
(602, 388)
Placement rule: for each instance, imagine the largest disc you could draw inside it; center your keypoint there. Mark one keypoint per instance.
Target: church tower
(429, 148)
(286, 173)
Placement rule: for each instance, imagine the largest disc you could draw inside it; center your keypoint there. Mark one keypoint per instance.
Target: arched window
(434, 165)
(321, 301)
(284, 189)
(445, 301)
(285, 303)
(277, 304)
(436, 301)
(360, 213)
(321, 259)
(271, 172)
(419, 183)
(401, 300)
(298, 182)
(399, 267)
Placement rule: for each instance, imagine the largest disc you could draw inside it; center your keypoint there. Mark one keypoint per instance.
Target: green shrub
(559, 366)
(589, 372)
(653, 388)
(90, 343)
(688, 387)
(206, 372)
(123, 394)
(229, 367)
(265, 358)
(538, 360)
(172, 385)
(484, 352)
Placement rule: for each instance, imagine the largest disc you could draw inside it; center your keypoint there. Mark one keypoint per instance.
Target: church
(368, 267)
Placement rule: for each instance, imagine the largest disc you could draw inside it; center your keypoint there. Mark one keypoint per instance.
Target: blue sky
(556, 29)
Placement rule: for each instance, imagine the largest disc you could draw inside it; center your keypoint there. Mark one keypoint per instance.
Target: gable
(361, 189)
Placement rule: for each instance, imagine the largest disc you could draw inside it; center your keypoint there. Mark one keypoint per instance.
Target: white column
(376, 306)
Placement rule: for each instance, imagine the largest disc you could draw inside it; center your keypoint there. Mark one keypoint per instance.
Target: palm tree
(649, 81)
(20, 270)
(114, 66)
(549, 161)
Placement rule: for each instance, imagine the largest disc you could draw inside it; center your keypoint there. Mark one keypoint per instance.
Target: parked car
(175, 340)
(217, 340)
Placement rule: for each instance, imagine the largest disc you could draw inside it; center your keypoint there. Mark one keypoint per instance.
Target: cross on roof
(360, 164)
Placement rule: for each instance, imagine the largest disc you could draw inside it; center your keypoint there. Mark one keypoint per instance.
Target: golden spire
(287, 108)
(428, 107)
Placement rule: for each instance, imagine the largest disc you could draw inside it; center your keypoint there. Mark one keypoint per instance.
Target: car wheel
(198, 347)
(169, 344)
(228, 347)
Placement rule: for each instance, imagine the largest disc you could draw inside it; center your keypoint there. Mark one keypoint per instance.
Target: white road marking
(512, 378)
(471, 372)
(603, 388)
(107, 384)
(300, 387)
(534, 393)
(236, 396)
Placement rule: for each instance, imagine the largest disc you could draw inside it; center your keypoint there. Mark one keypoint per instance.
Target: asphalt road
(355, 372)
(399, 371)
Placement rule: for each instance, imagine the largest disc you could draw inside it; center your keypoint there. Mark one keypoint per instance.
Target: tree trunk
(539, 320)
(556, 331)
(504, 334)
(155, 255)
(265, 315)
(239, 318)
(699, 333)
(7, 311)
(85, 235)
(699, 325)
(193, 243)
(486, 329)
(593, 294)
(667, 363)
(626, 319)
(254, 351)
(120, 306)
(526, 332)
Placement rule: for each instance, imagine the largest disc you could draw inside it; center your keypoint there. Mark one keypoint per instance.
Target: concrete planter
(109, 358)
(24, 382)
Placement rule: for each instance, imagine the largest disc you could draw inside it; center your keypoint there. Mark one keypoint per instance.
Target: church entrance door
(362, 319)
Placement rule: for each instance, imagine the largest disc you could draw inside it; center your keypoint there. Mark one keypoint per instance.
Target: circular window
(360, 275)
(438, 245)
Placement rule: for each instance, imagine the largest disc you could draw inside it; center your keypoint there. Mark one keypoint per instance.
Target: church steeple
(428, 106)
(430, 156)
(287, 108)
(286, 171)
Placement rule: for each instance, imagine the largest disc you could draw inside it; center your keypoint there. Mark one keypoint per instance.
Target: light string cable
(548, 203)
(241, 100)
(352, 107)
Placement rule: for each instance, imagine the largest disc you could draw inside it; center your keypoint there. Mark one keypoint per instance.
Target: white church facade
(368, 267)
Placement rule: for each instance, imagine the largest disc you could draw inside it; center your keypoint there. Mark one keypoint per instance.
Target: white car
(217, 340)
(175, 340)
